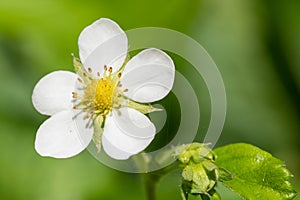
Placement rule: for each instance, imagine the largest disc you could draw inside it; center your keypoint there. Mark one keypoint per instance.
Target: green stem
(150, 181)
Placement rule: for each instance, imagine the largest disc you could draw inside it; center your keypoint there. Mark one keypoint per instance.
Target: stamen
(126, 90)
(74, 95)
(75, 116)
(80, 80)
(87, 116)
(100, 95)
(89, 124)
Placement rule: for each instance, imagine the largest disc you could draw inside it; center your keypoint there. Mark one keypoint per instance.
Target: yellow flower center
(97, 96)
(100, 95)
(104, 95)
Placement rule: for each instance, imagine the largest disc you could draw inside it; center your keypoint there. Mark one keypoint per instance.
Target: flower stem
(150, 181)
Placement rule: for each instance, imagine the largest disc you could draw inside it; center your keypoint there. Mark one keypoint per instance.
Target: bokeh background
(255, 44)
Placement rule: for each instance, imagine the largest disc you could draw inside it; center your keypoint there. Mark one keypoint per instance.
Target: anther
(98, 74)
(75, 107)
(105, 67)
(80, 80)
(74, 94)
(90, 70)
(126, 90)
(110, 70)
(119, 85)
(119, 74)
(84, 74)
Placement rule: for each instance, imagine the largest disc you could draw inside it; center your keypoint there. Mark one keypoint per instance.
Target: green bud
(200, 174)
(196, 153)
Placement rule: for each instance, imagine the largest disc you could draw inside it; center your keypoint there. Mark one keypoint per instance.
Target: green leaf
(256, 174)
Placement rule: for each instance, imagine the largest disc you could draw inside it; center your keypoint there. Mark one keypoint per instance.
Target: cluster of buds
(200, 173)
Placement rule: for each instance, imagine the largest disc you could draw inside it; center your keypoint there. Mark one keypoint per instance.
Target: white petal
(53, 93)
(113, 151)
(119, 135)
(103, 43)
(149, 76)
(133, 123)
(62, 137)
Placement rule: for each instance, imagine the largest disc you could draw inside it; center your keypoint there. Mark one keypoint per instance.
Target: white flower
(109, 101)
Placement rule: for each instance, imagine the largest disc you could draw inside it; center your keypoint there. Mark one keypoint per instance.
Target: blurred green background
(255, 44)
